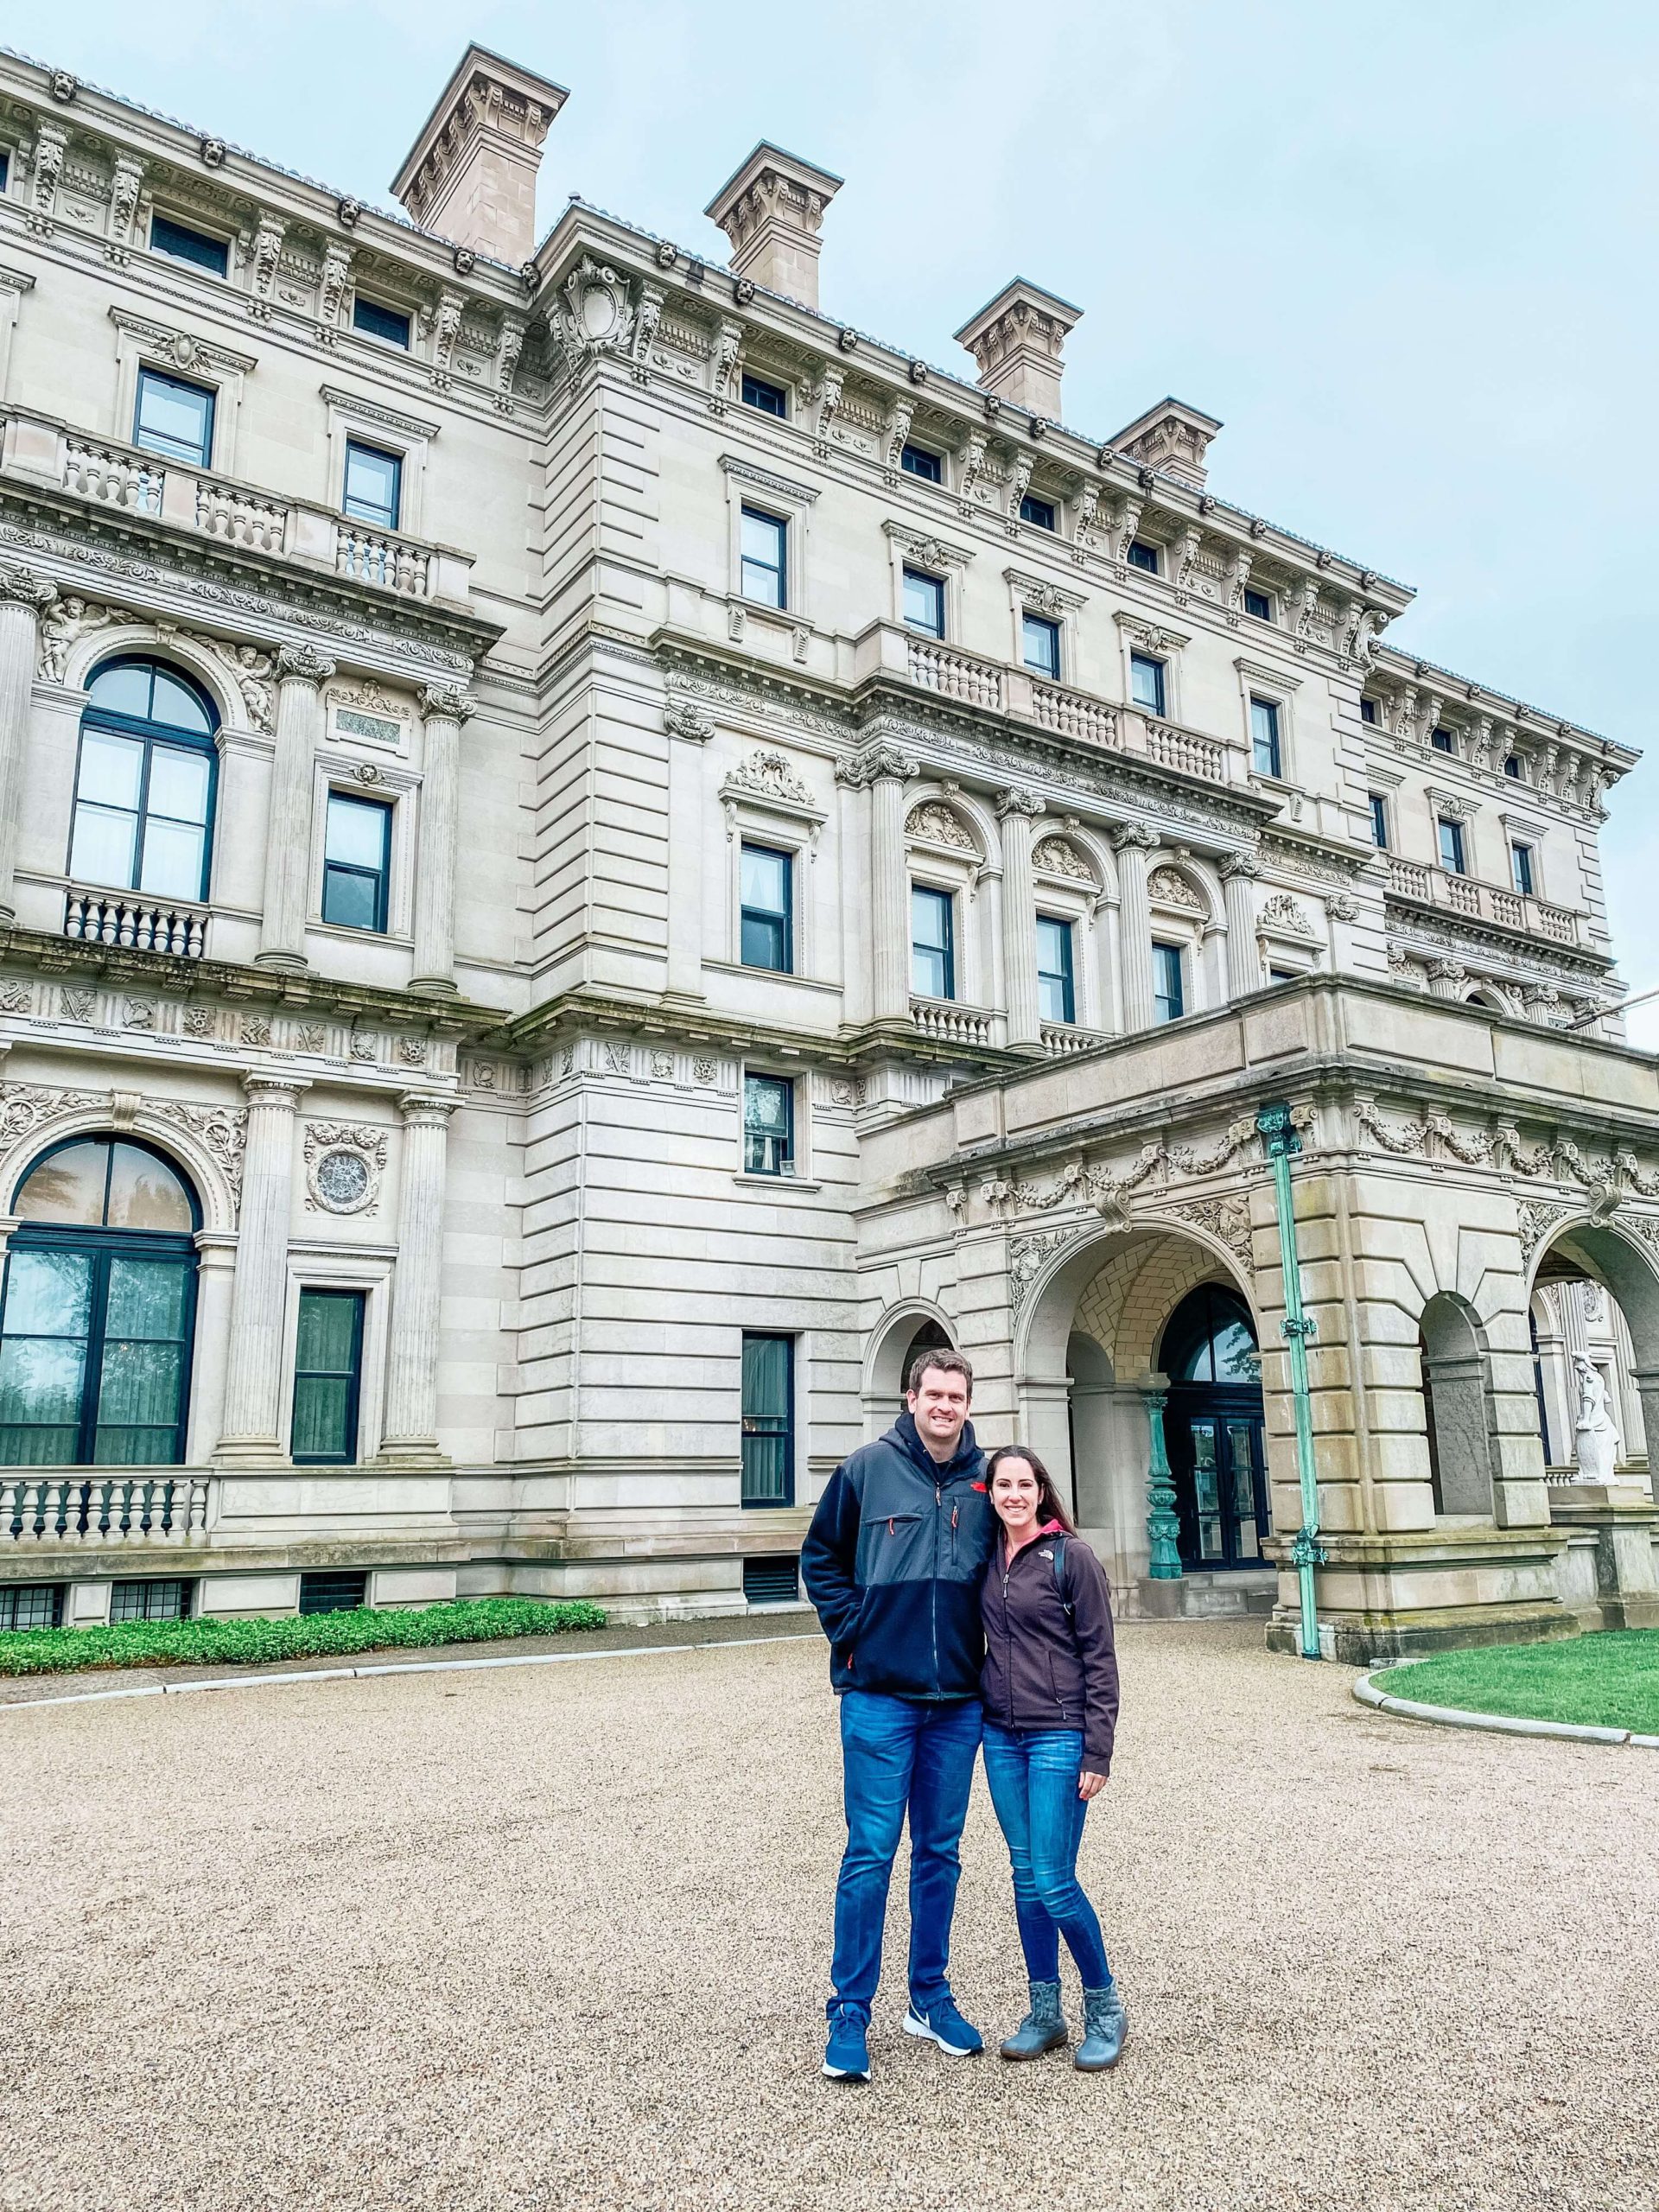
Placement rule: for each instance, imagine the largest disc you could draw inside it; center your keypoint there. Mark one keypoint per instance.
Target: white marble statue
(1595, 1438)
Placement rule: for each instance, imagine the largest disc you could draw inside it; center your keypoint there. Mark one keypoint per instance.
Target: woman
(1049, 1693)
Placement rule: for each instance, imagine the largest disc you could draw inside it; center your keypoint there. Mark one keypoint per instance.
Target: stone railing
(947, 1023)
(38, 451)
(1062, 1039)
(1073, 714)
(122, 918)
(955, 674)
(1485, 902)
(102, 1509)
(1187, 751)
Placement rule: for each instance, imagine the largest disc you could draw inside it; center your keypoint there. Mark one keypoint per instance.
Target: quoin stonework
(589, 855)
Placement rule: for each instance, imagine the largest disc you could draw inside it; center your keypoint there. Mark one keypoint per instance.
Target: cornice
(1441, 929)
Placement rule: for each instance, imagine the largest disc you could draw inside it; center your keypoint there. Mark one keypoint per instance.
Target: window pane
(1147, 682)
(1264, 736)
(175, 419)
(182, 244)
(767, 1419)
(140, 1387)
(1142, 555)
(925, 602)
(1258, 604)
(178, 783)
(124, 689)
(1379, 822)
(48, 1294)
(1523, 868)
(173, 853)
(357, 832)
(373, 485)
(1168, 1002)
(766, 879)
(148, 1300)
(765, 1104)
(1039, 512)
(322, 1417)
(119, 1446)
(915, 461)
(112, 768)
(764, 540)
(770, 399)
(67, 1186)
(380, 322)
(1451, 847)
(1041, 645)
(328, 1332)
(177, 705)
(39, 1387)
(103, 846)
(146, 1194)
(351, 901)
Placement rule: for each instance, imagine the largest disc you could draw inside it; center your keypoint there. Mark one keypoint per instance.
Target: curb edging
(1494, 1724)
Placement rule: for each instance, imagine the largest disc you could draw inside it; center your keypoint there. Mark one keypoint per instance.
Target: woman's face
(1014, 1492)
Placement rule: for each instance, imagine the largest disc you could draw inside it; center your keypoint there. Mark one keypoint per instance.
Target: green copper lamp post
(1163, 1524)
(1279, 1140)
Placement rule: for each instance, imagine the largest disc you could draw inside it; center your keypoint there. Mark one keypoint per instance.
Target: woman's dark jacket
(1046, 1666)
(892, 1562)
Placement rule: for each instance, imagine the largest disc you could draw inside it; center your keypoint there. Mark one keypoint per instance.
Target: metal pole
(1279, 1140)
(1163, 1524)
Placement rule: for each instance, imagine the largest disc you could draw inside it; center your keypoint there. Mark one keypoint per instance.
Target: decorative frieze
(344, 1164)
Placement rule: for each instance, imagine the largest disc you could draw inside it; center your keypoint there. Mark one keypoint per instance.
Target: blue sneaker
(942, 2024)
(847, 2058)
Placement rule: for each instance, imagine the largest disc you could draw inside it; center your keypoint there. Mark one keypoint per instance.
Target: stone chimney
(1171, 437)
(1016, 341)
(771, 211)
(470, 175)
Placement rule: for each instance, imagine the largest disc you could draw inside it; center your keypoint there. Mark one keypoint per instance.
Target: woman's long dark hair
(1049, 1507)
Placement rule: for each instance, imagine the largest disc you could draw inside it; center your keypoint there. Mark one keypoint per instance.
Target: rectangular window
(1168, 997)
(1038, 512)
(1521, 866)
(766, 558)
(915, 461)
(374, 485)
(766, 898)
(5, 170)
(339, 1591)
(1147, 682)
(31, 1604)
(142, 814)
(768, 1419)
(1142, 555)
(173, 419)
(182, 244)
(1040, 643)
(356, 862)
(768, 1125)
(1379, 822)
(1264, 736)
(925, 602)
(1258, 604)
(161, 1601)
(1512, 767)
(1056, 996)
(327, 1378)
(1451, 847)
(933, 946)
(1441, 742)
(770, 399)
(1368, 710)
(387, 324)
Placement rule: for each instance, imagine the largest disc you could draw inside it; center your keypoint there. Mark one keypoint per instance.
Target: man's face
(940, 1407)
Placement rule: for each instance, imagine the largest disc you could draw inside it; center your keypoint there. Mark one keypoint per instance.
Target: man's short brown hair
(942, 1361)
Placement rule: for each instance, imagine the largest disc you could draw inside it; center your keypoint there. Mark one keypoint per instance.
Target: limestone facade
(591, 577)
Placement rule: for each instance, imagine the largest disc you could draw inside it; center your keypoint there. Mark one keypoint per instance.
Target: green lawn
(1609, 1680)
(316, 1635)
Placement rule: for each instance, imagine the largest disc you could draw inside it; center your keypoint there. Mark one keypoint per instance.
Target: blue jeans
(1032, 1776)
(901, 1755)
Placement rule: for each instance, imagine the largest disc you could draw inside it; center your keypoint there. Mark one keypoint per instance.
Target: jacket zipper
(934, 1595)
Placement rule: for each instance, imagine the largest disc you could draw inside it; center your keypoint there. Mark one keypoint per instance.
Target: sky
(1406, 254)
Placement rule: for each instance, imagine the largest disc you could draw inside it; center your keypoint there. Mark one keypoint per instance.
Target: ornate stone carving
(16, 996)
(1244, 864)
(683, 718)
(1019, 802)
(1282, 913)
(940, 825)
(68, 620)
(25, 589)
(875, 763)
(411, 1051)
(1238, 1136)
(619, 1059)
(256, 1029)
(662, 1066)
(1343, 907)
(769, 775)
(705, 1068)
(1060, 856)
(1125, 834)
(1536, 1221)
(77, 1001)
(1167, 886)
(222, 1131)
(139, 1013)
(344, 1163)
(595, 313)
(25, 1107)
(197, 1021)
(1226, 1218)
(1026, 1258)
(448, 702)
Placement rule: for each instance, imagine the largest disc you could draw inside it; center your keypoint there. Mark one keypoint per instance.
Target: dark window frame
(1441, 740)
(318, 1590)
(1144, 556)
(1266, 741)
(776, 1429)
(156, 443)
(1368, 712)
(1173, 962)
(936, 586)
(381, 877)
(759, 392)
(1258, 604)
(782, 918)
(1459, 864)
(783, 1160)
(361, 512)
(378, 320)
(121, 1609)
(1046, 626)
(1379, 820)
(11, 1604)
(1160, 704)
(746, 561)
(1041, 514)
(146, 730)
(1522, 873)
(927, 468)
(348, 1458)
(1065, 975)
(198, 249)
(946, 950)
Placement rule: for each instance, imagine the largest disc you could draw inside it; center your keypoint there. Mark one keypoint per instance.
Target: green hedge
(317, 1636)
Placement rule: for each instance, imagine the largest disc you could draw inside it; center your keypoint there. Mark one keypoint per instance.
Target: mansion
(590, 855)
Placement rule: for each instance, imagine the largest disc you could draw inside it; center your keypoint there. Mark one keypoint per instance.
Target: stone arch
(1200, 881)
(1491, 997)
(978, 823)
(1067, 843)
(888, 1355)
(1457, 1405)
(202, 659)
(1619, 1257)
(206, 1149)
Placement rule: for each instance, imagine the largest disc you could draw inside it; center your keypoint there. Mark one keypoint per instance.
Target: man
(893, 1562)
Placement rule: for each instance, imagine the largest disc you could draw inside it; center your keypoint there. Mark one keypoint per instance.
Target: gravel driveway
(565, 1946)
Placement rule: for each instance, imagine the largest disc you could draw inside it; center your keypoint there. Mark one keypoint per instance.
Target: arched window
(98, 1310)
(1210, 1338)
(145, 785)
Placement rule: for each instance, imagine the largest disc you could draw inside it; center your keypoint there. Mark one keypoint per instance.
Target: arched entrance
(896, 1339)
(1214, 1429)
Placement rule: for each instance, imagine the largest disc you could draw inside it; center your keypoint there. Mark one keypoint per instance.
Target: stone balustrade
(126, 919)
(104, 1509)
(1062, 1039)
(1486, 902)
(947, 1023)
(37, 450)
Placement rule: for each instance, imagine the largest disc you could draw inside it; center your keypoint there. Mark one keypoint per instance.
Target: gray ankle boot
(1043, 2028)
(1105, 2024)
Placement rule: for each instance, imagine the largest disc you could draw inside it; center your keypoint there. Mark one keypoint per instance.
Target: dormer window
(390, 327)
(915, 461)
(1442, 741)
(1258, 604)
(768, 398)
(1039, 513)
(180, 242)
(1512, 768)
(1142, 555)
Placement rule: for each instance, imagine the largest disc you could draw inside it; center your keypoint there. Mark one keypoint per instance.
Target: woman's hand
(1091, 1785)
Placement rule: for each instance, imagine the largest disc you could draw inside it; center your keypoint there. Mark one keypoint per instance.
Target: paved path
(563, 1946)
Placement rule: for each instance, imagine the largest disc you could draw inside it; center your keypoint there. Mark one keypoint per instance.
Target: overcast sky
(1406, 253)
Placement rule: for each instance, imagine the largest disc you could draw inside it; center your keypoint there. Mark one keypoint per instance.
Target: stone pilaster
(1238, 875)
(1134, 843)
(412, 1429)
(1016, 810)
(446, 708)
(883, 772)
(689, 731)
(23, 598)
(302, 671)
(253, 1378)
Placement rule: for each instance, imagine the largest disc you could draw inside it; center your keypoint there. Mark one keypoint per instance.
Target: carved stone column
(23, 598)
(1238, 875)
(446, 708)
(253, 1378)
(884, 772)
(1016, 810)
(1446, 978)
(412, 1429)
(689, 731)
(1133, 842)
(302, 671)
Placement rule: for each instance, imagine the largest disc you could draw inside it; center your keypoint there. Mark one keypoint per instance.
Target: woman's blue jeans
(1032, 1776)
